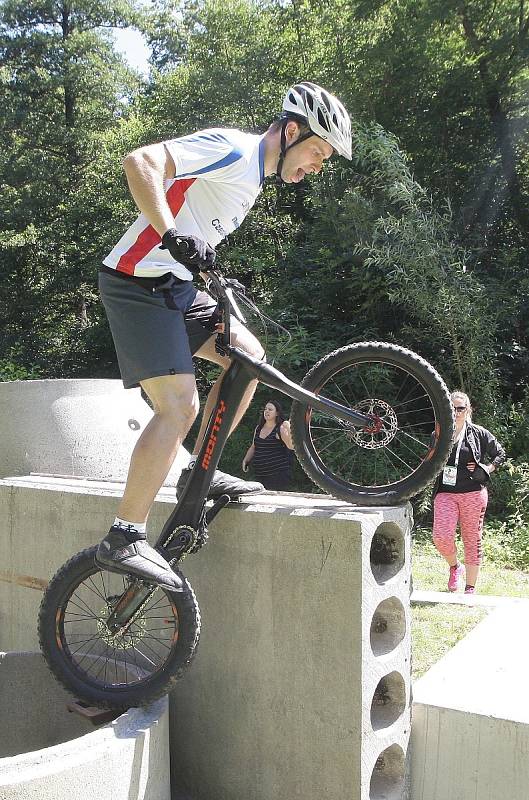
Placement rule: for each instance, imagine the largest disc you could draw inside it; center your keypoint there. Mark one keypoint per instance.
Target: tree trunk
(69, 95)
(501, 128)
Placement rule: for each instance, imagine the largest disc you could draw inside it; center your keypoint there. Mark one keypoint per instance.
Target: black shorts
(156, 329)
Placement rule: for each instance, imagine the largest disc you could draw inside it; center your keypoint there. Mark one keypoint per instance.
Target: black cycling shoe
(222, 483)
(121, 551)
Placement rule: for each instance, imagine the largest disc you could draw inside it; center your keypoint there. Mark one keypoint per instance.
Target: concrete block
(86, 428)
(48, 753)
(470, 733)
(301, 684)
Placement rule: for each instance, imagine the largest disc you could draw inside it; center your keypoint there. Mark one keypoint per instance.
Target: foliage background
(421, 240)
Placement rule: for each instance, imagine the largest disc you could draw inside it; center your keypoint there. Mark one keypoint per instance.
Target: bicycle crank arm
(272, 377)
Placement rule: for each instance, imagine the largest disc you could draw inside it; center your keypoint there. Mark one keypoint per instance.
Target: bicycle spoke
(414, 400)
(95, 590)
(325, 429)
(413, 438)
(346, 400)
(389, 450)
(329, 444)
(146, 657)
(86, 608)
(415, 425)
(120, 659)
(149, 647)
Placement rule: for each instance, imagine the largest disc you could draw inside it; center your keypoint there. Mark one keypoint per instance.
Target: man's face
(304, 158)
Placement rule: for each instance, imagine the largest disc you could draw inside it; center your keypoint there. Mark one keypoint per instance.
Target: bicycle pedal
(97, 716)
(217, 506)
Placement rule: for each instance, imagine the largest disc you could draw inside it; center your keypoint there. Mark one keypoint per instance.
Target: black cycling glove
(192, 252)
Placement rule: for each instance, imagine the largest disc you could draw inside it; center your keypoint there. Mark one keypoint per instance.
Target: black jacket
(483, 445)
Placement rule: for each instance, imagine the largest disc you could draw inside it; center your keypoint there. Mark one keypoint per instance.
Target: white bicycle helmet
(322, 112)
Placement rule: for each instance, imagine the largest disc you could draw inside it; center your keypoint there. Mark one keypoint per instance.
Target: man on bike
(192, 192)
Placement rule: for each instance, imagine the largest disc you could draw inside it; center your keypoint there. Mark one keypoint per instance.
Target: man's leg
(125, 548)
(175, 404)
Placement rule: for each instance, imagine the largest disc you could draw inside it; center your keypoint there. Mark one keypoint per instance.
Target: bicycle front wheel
(129, 668)
(401, 451)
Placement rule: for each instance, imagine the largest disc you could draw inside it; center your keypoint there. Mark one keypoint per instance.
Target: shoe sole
(233, 495)
(134, 575)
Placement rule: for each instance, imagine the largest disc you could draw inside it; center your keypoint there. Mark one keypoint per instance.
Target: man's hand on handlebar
(192, 252)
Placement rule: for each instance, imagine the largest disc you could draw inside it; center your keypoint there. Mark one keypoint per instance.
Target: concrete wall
(301, 684)
(470, 735)
(47, 753)
(86, 428)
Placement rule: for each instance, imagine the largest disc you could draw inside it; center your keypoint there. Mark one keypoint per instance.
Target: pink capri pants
(467, 508)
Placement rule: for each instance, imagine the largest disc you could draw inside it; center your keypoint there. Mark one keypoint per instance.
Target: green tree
(61, 86)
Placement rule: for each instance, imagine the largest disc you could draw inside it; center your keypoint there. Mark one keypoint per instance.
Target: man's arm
(146, 169)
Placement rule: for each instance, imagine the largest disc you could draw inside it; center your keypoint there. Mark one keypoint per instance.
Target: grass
(436, 629)
(430, 573)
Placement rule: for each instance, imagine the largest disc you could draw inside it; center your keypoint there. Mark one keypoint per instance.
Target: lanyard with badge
(450, 473)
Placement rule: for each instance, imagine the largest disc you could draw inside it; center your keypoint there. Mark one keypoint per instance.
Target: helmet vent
(326, 101)
(292, 98)
(309, 100)
(322, 121)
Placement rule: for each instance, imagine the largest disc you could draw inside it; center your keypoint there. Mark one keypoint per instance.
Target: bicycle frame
(242, 371)
(189, 510)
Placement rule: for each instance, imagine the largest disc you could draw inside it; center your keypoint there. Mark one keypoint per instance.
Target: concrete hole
(389, 701)
(387, 552)
(48, 752)
(387, 779)
(388, 626)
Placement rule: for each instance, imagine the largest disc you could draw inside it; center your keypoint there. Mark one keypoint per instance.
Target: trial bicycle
(371, 424)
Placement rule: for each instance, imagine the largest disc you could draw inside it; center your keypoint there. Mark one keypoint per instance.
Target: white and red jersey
(219, 174)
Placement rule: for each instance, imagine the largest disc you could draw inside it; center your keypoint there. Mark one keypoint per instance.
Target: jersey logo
(218, 227)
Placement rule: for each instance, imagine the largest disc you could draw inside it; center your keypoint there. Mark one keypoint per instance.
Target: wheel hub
(380, 431)
(120, 640)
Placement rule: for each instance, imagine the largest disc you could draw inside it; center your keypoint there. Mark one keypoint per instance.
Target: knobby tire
(71, 603)
(343, 461)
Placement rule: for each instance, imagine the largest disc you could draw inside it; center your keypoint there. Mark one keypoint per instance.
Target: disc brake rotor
(120, 640)
(381, 431)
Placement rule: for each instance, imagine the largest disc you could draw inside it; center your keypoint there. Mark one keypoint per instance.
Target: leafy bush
(9, 371)
(507, 540)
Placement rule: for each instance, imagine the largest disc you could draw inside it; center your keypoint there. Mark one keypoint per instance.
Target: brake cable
(236, 288)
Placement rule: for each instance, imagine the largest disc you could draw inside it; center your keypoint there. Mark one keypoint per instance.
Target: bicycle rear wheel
(121, 670)
(404, 448)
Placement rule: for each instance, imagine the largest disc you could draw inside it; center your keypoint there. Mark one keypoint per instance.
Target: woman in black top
(271, 450)
(460, 493)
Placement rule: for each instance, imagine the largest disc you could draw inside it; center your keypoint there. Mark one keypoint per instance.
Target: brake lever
(235, 284)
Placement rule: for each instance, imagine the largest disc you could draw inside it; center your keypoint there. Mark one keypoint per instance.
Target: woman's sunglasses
(460, 409)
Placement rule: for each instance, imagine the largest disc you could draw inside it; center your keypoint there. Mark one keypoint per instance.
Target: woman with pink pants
(460, 494)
